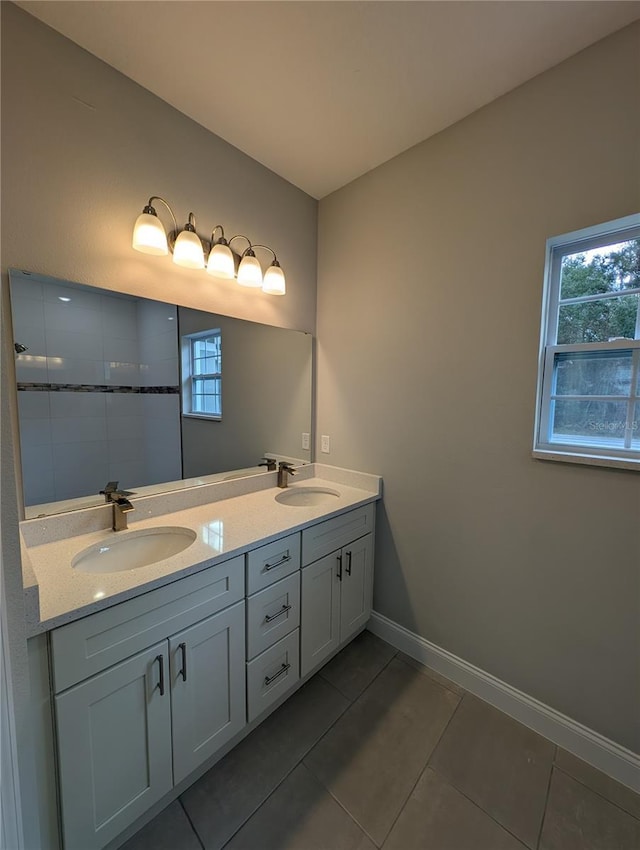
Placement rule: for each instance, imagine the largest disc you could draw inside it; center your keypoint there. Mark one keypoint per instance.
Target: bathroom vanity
(149, 675)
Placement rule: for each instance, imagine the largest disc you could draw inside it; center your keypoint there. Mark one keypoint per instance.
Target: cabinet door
(207, 688)
(320, 611)
(114, 748)
(357, 585)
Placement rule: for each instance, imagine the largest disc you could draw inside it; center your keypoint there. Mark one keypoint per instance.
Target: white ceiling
(321, 92)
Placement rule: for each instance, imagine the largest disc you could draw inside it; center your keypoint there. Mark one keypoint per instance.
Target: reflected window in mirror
(202, 374)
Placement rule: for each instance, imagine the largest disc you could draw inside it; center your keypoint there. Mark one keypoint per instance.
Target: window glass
(609, 268)
(593, 422)
(598, 321)
(635, 428)
(593, 373)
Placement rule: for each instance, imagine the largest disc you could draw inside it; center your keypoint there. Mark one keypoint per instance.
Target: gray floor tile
(437, 677)
(499, 764)
(170, 830)
(600, 782)
(356, 666)
(438, 817)
(372, 757)
(220, 802)
(300, 815)
(579, 819)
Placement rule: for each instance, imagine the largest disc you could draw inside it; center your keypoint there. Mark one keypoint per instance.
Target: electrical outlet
(305, 441)
(325, 444)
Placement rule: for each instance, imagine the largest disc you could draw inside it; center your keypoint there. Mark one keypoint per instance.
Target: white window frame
(583, 449)
(188, 376)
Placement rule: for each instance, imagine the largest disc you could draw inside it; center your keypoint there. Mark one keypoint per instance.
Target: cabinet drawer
(100, 640)
(272, 562)
(272, 674)
(272, 614)
(335, 533)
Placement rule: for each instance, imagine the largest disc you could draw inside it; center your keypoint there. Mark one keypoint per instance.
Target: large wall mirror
(116, 387)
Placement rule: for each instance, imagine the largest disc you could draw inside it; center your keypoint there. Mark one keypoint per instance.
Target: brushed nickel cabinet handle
(269, 680)
(183, 648)
(279, 563)
(160, 685)
(270, 617)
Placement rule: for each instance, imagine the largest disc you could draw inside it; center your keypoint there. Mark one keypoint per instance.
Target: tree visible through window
(589, 387)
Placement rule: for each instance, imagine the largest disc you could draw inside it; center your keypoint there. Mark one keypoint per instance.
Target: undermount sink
(304, 497)
(133, 549)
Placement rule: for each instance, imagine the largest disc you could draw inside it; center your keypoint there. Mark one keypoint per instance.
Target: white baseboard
(616, 761)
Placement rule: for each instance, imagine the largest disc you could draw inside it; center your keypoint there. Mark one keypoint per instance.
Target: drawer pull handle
(270, 617)
(183, 648)
(339, 559)
(268, 680)
(348, 567)
(160, 685)
(279, 563)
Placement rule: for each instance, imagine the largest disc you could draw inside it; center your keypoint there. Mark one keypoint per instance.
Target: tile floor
(376, 751)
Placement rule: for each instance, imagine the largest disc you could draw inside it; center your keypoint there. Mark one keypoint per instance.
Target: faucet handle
(111, 492)
(269, 462)
(284, 464)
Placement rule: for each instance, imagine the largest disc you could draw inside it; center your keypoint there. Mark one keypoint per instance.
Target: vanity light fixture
(189, 250)
(273, 282)
(249, 270)
(220, 262)
(149, 234)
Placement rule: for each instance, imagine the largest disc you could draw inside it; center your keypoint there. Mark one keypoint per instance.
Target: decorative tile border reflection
(93, 388)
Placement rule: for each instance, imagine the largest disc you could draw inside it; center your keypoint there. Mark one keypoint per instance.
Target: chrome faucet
(285, 469)
(121, 505)
(270, 463)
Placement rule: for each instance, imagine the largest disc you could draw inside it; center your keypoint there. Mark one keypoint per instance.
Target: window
(588, 406)
(202, 374)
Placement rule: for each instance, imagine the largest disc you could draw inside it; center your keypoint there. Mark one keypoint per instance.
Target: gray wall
(83, 148)
(430, 284)
(266, 396)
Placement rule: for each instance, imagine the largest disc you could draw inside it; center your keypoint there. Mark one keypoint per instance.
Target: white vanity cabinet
(153, 688)
(336, 588)
(128, 734)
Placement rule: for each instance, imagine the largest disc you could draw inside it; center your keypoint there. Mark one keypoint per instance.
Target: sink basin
(304, 497)
(133, 549)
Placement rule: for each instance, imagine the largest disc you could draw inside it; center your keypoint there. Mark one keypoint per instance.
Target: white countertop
(227, 525)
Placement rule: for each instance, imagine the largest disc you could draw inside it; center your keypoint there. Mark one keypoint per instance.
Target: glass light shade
(250, 271)
(188, 251)
(149, 236)
(220, 262)
(273, 282)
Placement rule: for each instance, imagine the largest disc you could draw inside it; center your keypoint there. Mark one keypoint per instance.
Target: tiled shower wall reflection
(98, 395)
